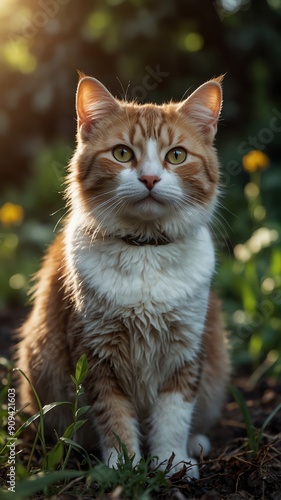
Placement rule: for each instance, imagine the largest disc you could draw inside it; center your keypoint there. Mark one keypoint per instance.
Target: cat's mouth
(149, 207)
(149, 199)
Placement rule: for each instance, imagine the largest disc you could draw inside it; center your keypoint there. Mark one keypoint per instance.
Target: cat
(127, 281)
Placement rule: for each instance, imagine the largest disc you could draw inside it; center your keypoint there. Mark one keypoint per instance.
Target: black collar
(140, 242)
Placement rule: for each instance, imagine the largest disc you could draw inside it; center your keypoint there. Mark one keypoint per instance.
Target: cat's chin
(148, 209)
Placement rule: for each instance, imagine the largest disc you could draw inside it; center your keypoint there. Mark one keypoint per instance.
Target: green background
(152, 51)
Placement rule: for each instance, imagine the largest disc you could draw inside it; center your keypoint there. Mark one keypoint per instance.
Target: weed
(50, 474)
(254, 435)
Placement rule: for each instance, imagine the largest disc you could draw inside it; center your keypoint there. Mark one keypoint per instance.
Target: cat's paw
(136, 458)
(198, 444)
(179, 461)
(111, 457)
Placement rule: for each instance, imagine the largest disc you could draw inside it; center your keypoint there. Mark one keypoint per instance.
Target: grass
(66, 470)
(254, 435)
(52, 473)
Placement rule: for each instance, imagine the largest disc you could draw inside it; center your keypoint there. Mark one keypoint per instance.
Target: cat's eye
(176, 156)
(122, 153)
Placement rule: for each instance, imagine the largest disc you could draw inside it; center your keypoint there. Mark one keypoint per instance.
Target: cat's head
(145, 169)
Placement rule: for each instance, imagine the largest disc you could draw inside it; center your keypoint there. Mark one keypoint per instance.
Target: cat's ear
(204, 106)
(93, 102)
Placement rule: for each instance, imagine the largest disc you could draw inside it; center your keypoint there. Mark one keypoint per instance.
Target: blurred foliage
(152, 51)
(249, 275)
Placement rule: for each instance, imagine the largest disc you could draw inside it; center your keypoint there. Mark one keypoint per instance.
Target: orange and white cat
(127, 280)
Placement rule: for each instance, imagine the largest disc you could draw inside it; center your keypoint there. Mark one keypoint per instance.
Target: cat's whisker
(215, 222)
(223, 207)
(60, 220)
(217, 231)
(104, 214)
(125, 92)
(108, 202)
(102, 195)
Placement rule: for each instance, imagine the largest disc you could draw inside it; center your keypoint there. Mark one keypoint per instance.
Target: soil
(231, 471)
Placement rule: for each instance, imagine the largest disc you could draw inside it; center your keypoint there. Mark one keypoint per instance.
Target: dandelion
(10, 214)
(255, 160)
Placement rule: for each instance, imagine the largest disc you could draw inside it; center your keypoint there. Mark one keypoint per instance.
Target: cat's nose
(149, 181)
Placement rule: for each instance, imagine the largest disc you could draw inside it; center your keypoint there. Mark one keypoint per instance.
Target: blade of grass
(42, 480)
(267, 421)
(42, 434)
(239, 398)
(45, 409)
(81, 371)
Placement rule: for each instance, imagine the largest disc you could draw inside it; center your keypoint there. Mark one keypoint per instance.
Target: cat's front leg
(113, 415)
(171, 418)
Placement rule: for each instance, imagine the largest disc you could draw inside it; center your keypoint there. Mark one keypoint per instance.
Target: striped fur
(143, 314)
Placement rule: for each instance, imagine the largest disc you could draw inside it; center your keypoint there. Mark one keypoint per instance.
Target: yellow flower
(255, 160)
(11, 214)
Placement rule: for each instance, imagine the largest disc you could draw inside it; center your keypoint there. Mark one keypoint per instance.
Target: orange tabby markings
(127, 281)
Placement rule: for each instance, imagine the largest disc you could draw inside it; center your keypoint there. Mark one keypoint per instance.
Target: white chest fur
(158, 294)
(132, 276)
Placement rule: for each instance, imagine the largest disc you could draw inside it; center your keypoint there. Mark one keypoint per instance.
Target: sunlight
(18, 56)
(6, 6)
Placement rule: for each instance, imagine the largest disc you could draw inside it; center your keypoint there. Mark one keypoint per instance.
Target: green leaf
(104, 476)
(270, 417)
(79, 424)
(40, 430)
(81, 411)
(21, 471)
(73, 444)
(38, 482)
(267, 421)
(55, 456)
(81, 369)
(123, 456)
(72, 428)
(45, 410)
(238, 396)
(37, 415)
